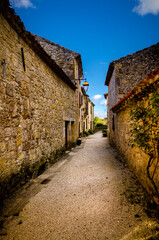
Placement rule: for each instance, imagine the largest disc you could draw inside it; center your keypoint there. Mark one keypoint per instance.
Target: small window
(91, 109)
(23, 60)
(81, 100)
(113, 123)
(84, 126)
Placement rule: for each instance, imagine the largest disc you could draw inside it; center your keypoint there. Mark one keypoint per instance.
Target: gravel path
(88, 194)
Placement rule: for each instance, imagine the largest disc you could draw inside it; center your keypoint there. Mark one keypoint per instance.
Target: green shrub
(90, 131)
(99, 125)
(86, 133)
(104, 130)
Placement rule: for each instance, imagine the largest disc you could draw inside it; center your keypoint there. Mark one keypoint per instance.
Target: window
(23, 60)
(81, 100)
(91, 109)
(84, 126)
(113, 123)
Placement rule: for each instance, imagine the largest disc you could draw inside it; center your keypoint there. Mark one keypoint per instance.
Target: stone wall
(136, 159)
(91, 115)
(34, 105)
(86, 113)
(124, 74)
(111, 101)
(83, 111)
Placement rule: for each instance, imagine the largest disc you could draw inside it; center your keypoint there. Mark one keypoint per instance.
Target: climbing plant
(145, 131)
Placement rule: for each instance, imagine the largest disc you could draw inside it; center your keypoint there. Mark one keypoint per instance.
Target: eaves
(16, 23)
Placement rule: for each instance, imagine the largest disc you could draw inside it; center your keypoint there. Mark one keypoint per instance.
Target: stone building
(90, 115)
(39, 103)
(124, 74)
(70, 62)
(86, 112)
(127, 79)
(135, 157)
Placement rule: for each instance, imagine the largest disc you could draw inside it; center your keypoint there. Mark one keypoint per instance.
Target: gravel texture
(88, 194)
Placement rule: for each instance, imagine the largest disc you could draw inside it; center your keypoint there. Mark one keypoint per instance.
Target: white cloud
(103, 102)
(101, 115)
(97, 97)
(147, 6)
(22, 3)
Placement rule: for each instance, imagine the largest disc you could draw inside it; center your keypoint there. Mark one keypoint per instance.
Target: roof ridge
(132, 54)
(151, 52)
(55, 44)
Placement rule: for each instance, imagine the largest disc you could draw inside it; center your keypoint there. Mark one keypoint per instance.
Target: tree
(96, 120)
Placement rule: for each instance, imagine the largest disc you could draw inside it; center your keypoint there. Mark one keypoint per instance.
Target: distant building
(87, 112)
(90, 115)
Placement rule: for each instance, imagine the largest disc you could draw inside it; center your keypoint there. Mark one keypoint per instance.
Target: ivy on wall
(145, 132)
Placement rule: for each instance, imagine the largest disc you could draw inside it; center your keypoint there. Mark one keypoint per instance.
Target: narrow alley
(88, 194)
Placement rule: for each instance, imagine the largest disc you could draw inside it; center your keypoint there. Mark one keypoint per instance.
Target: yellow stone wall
(78, 85)
(91, 115)
(34, 105)
(111, 101)
(136, 159)
(84, 113)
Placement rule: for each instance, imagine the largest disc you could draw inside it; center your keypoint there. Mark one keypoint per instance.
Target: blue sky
(100, 30)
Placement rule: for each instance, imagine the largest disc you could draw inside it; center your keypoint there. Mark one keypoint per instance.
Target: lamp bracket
(82, 79)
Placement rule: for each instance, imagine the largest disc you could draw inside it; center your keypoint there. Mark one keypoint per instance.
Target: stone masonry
(124, 74)
(37, 101)
(135, 157)
(64, 57)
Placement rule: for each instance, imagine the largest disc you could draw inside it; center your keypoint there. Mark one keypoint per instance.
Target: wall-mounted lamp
(85, 84)
(4, 67)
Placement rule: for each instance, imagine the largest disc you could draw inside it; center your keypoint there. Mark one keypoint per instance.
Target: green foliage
(96, 120)
(86, 133)
(99, 125)
(104, 131)
(90, 131)
(144, 121)
(145, 132)
(100, 122)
